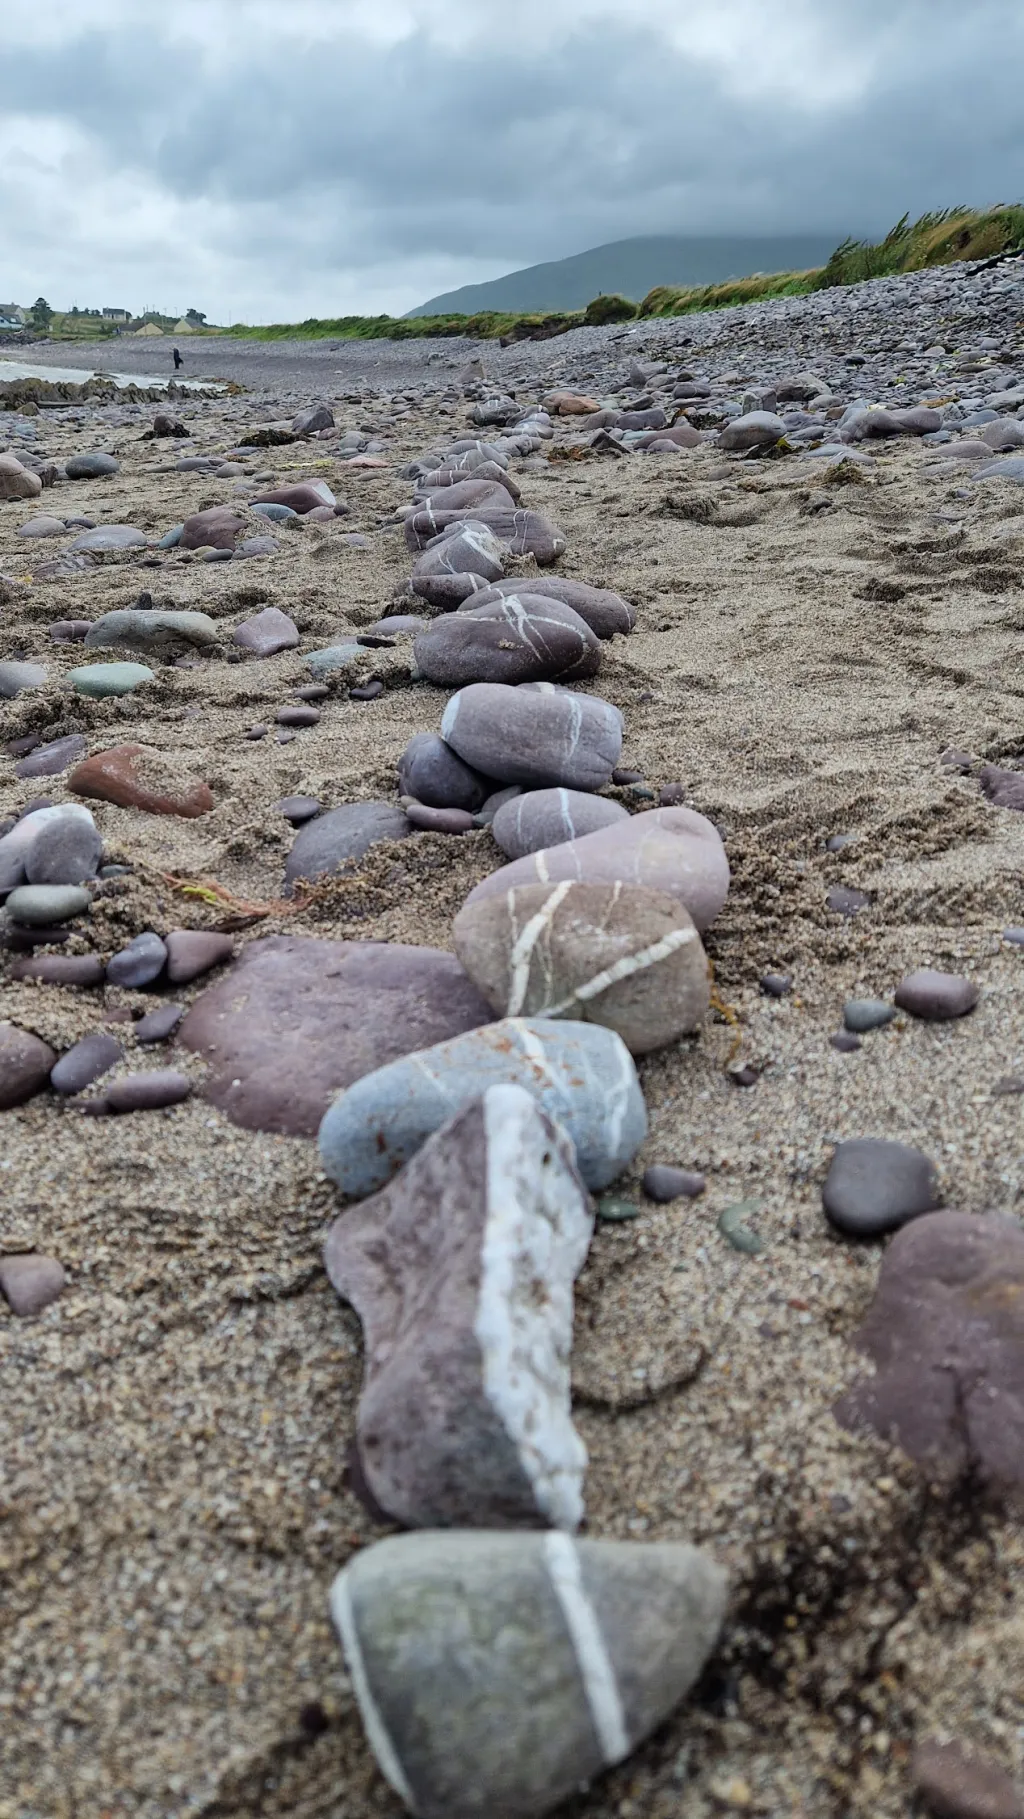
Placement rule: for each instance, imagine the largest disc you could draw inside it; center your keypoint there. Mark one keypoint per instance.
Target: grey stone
(755, 430)
(516, 638)
(79, 1066)
(955, 1782)
(664, 849)
(582, 1076)
(332, 839)
(438, 820)
(256, 546)
(91, 467)
(25, 1063)
(605, 612)
(497, 1673)
(860, 1014)
(298, 809)
(42, 526)
(936, 997)
(50, 760)
(547, 817)
(536, 737)
(296, 1020)
(69, 631)
(61, 969)
(464, 1417)
(335, 656)
(431, 772)
(16, 677)
(458, 566)
(146, 1092)
(65, 849)
(157, 1025)
(138, 964)
(525, 533)
(30, 1282)
(267, 633)
(618, 955)
(40, 905)
(98, 680)
(151, 631)
(665, 1184)
(874, 1185)
(314, 418)
(17, 845)
(107, 537)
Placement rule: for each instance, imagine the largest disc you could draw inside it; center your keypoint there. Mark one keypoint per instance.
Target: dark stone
(81, 1065)
(147, 1092)
(672, 795)
(328, 842)
(605, 613)
(296, 1020)
(138, 964)
(439, 820)
(516, 638)
(936, 997)
(297, 716)
(945, 1331)
(846, 900)
(860, 1014)
(776, 985)
(30, 1282)
(193, 952)
(664, 1184)
(50, 760)
(955, 1782)
(157, 1025)
(846, 1042)
(432, 773)
(91, 467)
(298, 809)
(367, 691)
(874, 1185)
(61, 969)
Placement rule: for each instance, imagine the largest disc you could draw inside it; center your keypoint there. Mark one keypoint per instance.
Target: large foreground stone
(582, 1076)
(295, 1021)
(537, 736)
(665, 849)
(464, 1418)
(496, 1673)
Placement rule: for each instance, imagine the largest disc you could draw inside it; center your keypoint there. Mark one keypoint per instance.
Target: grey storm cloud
(366, 154)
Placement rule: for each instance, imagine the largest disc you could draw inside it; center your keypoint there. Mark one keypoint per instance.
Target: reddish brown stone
(301, 496)
(25, 1063)
(956, 1783)
(218, 528)
(130, 776)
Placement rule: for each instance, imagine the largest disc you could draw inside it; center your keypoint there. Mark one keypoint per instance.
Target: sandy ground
(173, 1500)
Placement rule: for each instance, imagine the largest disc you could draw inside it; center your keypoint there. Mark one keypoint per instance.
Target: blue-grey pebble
(171, 538)
(84, 1063)
(91, 467)
(324, 844)
(334, 656)
(100, 679)
(581, 1074)
(546, 817)
(14, 677)
(860, 1014)
(66, 851)
(138, 964)
(278, 514)
(429, 770)
(39, 905)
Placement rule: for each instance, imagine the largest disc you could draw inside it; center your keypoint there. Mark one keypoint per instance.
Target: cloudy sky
(265, 160)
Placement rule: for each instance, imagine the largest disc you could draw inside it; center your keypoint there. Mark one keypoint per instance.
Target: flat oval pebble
(147, 1092)
(98, 680)
(936, 997)
(516, 638)
(860, 1014)
(39, 905)
(91, 467)
(438, 820)
(44, 526)
(298, 809)
(547, 817)
(79, 1066)
(267, 633)
(108, 537)
(663, 849)
(138, 964)
(536, 736)
(605, 612)
(17, 677)
(157, 1025)
(582, 1075)
(30, 1282)
(957, 1782)
(51, 759)
(149, 630)
(846, 900)
(61, 969)
(627, 958)
(875, 1185)
(331, 840)
(664, 1183)
(25, 1063)
(298, 716)
(193, 952)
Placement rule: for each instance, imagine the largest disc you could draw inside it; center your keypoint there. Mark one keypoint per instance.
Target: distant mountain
(632, 268)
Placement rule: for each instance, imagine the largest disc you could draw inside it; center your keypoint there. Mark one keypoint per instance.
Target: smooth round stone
(69, 631)
(267, 632)
(60, 969)
(107, 537)
(298, 809)
(626, 958)
(860, 1014)
(516, 638)
(367, 691)
(433, 774)
(1015, 936)
(297, 1019)
(171, 538)
(665, 1184)
(66, 848)
(277, 514)
(25, 1063)
(97, 680)
(605, 613)
(663, 849)
(91, 467)
(497, 1673)
(16, 677)
(776, 985)
(300, 497)
(297, 716)
(29, 1282)
(157, 1025)
(755, 430)
(216, 528)
(87, 1061)
(846, 1042)
(331, 840)
(44, 526)
(956, 1782)
(582, 1076)
(193, 952)
(438, 820)
(399, 625)
(138, 964)
(535, 736)
(547, 817)
(50, 760)
(19, 843)
(256, 546)
(486, 815)
(334, 656)
(312, 691)
(874, 1186)
(147, 1092)
(936, 997)
(39, 905)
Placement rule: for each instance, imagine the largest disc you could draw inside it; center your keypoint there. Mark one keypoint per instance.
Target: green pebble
(610, 1207)
(100, 679)
(735, 1231)
(39, 905)
(336, 656)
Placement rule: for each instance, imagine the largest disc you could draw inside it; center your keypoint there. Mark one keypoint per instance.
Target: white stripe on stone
(537, 1230)
(619, 970)
(373, 1723)
(600, 1685)
(521, 957)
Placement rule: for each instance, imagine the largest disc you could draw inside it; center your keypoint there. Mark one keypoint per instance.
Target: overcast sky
(265, 160)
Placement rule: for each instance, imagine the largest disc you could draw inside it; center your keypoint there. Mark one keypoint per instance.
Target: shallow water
(80, 375)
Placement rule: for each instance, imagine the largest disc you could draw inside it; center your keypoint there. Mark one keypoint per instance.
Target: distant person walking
(177, 360)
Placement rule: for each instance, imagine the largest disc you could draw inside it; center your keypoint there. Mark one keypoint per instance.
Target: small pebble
(440, 820)
(615, 1210)
(846, 900)
(30, 1282)
(84, 1063)
(744, 1076)
(846, 1042)
(664, 1183)
(734, 1229)
(311, 691)
(874, 1185)
(776, 985)
(142, 961)
(956, 1782)
(672, 795)
(368, 691)
(1015, 936)
(624, 776)
(936, 997)
(257, 732)
(836, 842)
(157, 1025)
(42, 905)
(862, 1014)
(297, 809)
(145, 1092)
(297, 716)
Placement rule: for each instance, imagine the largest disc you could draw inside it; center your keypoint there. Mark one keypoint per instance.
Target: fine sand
(174, 1500)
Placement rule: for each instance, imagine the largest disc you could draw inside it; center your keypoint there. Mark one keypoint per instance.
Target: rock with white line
(546, 817)
(615, 954)
(605, 613)
(525, 533)
(539, 736)
(457, 566)
(665, 849)
(581, 1075)
(495, 1674)
(515, 638)
(464, 1418)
